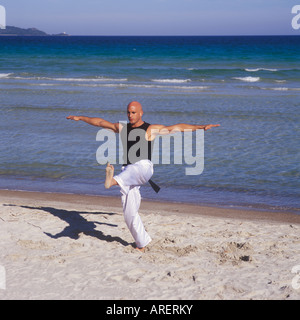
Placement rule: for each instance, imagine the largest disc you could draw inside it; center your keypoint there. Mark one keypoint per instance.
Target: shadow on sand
(78, 224)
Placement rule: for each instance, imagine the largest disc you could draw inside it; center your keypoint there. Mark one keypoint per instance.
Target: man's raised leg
(109, 180)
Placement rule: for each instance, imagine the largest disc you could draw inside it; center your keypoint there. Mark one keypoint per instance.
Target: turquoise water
(249, 85)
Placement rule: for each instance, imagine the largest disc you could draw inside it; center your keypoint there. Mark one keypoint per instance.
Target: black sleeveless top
(135, 145)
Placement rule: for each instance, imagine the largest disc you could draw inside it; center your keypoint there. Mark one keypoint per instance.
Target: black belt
(154, 186)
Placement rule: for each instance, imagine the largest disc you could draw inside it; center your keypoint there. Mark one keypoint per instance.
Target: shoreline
(204, 197)
(148, 205)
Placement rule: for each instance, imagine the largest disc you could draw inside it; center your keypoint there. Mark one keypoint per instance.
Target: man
(138, 168)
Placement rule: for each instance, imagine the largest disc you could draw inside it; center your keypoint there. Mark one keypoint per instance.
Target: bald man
(138, 168)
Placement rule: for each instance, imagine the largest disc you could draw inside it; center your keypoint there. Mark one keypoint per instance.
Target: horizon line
(155, 35)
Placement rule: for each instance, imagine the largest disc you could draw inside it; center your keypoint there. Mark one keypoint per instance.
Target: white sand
(70, 247)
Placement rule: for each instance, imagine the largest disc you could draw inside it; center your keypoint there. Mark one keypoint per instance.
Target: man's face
(134, 115)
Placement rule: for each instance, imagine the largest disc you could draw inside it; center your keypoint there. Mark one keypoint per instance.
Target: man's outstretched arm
(98, 122)
(183, 126)
(157, 129)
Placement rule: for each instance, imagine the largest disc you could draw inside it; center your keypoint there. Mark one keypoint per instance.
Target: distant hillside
(15, 31)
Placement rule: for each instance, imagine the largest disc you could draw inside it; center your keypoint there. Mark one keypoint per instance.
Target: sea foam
(260, 69)
(97, 79)
(4, 75)
(247, 79)
(171, 80)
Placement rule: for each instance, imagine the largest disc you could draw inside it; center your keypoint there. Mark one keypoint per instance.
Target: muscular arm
(98, 122)
(157, 129)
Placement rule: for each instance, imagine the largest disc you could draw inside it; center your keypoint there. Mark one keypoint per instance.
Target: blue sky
(153, 17)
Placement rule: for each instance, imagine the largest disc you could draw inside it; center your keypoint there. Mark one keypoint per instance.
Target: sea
(250, 85)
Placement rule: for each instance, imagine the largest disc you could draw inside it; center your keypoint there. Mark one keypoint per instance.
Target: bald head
(135, 113)
(135, 104)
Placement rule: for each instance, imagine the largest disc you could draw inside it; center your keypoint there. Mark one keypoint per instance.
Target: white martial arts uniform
(130, 180)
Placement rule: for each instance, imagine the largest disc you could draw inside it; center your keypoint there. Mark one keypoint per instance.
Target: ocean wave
(100, 79)
(4, 75)
(171, 80)
(260, 69)
(229, 69)
(97, 79)
(247, 79)
(282, 89)
(146, 86)
(214, 70)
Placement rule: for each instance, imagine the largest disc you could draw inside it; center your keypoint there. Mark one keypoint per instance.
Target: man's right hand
(73, 118)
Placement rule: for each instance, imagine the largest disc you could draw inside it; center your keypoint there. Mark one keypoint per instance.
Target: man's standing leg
(131, 200)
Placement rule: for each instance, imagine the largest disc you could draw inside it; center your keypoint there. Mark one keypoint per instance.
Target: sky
(154, 17)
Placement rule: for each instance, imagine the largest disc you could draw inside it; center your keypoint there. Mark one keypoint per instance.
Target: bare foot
(140, 249)
(109, 175)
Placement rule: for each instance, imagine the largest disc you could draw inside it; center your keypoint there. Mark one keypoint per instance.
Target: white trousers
(130, 180)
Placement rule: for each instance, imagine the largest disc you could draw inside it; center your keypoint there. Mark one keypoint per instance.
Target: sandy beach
(64, 246)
